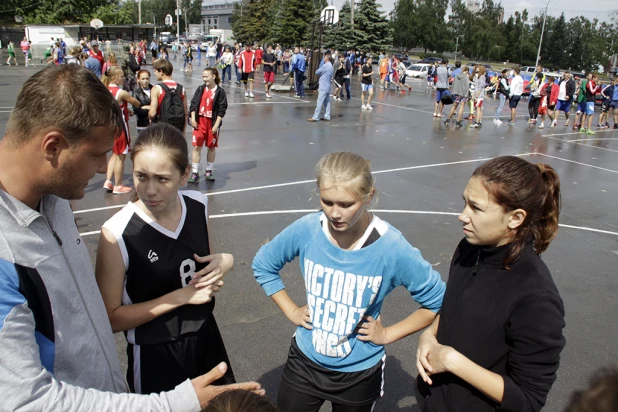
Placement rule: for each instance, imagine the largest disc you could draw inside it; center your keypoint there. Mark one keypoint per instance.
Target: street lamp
(154, 21)
(457, 44)
(538, 54)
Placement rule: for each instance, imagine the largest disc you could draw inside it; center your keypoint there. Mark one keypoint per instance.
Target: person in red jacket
(549, 96)
(246, 62)
(95, 52)
(258, 57)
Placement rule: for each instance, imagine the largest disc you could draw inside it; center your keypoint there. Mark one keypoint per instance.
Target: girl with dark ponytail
(496, 343)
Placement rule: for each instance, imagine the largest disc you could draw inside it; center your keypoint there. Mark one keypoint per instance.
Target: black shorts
(154, 54)
(161, 367)
(338, 81)
(605, 106)
(553, 107)
(247, 77)
(353, 389)
(514, 101)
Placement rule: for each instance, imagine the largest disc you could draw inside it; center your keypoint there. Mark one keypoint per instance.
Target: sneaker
(209, 176)
(324, 119)
(268, 96)
(498, 121)
(542, 125)
(229, 82)
(447, 121)
(599, 126)
(108, 185)
(435, 115)
(363, 107)
(511, 122)
(251, 95)
(470, 117)
(476, 124)
(553, 124)
(458, 124)
(193, 178)
(440, 115)
(312, 120)
(529, 120)
(615, 126)
(533, 121)
(575, 127)
(566, 124)
(590, 132)
(121, 190)
(369, 107)
(582, 130)
(246, 94)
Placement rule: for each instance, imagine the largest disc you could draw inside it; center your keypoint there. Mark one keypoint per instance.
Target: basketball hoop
(329, 16)
(96, 24)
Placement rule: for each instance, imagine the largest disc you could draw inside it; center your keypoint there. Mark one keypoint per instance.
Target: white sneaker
(497, 121)
(554, 123)
(363, 107)
(246, 94)
(541, 126)
(369, 107)
(251, 95)
(268, 96)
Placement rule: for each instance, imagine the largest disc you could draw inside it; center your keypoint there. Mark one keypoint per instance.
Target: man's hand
(206, 391)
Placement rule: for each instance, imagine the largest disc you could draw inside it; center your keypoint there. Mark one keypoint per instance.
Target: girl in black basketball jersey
(156, 272)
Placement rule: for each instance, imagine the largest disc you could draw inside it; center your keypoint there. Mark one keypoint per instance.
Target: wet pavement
(264, 181)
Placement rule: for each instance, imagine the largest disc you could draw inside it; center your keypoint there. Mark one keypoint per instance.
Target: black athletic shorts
(355, 389)
(247, 77)
(514, 101)
(154, 54)
(338, 81)
(161, 367)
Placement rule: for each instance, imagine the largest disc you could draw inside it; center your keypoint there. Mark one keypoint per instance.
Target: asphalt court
(264, 181)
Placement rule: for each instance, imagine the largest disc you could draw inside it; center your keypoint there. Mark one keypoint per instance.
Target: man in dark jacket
(207, 111)
(565, 97)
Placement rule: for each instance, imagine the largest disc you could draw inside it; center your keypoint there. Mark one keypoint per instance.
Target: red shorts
(204, 133)
(122, 143)
(543, 110)
(269, 77)
(258, 62)
(478, 103)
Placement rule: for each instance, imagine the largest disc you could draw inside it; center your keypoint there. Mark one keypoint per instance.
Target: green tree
(122, 13)
(250, 20)
(373, 32)
(429, 25)
(404, 33)
(297, 22)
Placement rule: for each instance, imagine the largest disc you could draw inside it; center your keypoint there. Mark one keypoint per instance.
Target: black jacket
(570, 87)
(507, 321)
(219, 105)
(144, 100)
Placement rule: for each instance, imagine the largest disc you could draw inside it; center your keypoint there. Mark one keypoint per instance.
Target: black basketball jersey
(159, 261)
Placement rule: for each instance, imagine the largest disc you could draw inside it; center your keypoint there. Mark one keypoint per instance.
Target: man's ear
(53, 144)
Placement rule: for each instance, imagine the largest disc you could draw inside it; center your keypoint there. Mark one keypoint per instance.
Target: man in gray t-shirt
(441, 86)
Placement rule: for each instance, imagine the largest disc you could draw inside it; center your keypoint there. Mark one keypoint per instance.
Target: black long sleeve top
(507, 321)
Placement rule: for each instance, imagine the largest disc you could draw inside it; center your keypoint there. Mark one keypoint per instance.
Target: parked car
(401, 57)
(418, 70)
(431, 60)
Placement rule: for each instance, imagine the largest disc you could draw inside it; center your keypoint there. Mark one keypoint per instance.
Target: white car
(418, 70)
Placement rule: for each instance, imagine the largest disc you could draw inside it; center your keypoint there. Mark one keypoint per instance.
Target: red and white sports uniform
(247, 61)
(122, 144)
(205, 121)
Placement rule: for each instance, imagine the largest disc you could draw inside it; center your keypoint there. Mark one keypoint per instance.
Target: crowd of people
(493, 333)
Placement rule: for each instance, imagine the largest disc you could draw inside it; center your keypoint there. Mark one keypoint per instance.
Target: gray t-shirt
(442, 73)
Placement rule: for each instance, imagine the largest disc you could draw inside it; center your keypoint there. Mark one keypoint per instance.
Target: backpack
(172, 107)
(447, 97)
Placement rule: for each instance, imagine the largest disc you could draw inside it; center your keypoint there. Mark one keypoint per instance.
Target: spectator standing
(566, 91)
(299, 65)
(25, 48)
(517, 89)
(326, 77)
(441, 87)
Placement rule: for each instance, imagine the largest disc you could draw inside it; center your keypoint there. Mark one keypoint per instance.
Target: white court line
(6, 111)
(300, 182)
(579, 163)
(595, 138)
(411, 212)
(394, 105)
(581, 144)
(260, 102)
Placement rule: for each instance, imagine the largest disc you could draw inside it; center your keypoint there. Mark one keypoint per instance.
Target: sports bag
(447, 97)
(172, 107)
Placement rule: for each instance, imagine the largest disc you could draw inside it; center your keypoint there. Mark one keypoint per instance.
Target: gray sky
(598, 8)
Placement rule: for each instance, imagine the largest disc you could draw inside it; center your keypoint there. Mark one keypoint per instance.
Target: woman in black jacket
(207, 111)
(496, 343)
(142, 94)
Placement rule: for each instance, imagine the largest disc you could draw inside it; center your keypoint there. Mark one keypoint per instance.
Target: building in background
(217, 14)
(473, 5)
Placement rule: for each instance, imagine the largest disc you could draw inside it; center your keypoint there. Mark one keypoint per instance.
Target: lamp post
(139, 12)
(538, 54)
(154, 21)
(457, 44)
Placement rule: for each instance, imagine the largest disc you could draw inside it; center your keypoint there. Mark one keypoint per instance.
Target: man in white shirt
(517, 88)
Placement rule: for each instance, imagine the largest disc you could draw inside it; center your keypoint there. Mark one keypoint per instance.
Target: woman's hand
(192, 295)
(426, 343)
(301, 317)
(440, 358)
(193, 124)
(218, 266)
(373, 331)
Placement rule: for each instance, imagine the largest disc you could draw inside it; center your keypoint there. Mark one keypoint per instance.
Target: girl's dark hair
(600, 396)
(166, 137)
(142, 71)
(515, 183)
(215, 73)
(238, 400)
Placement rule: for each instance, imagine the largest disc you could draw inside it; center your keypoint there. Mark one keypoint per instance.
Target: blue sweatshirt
(343, 286)
(326, 76)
